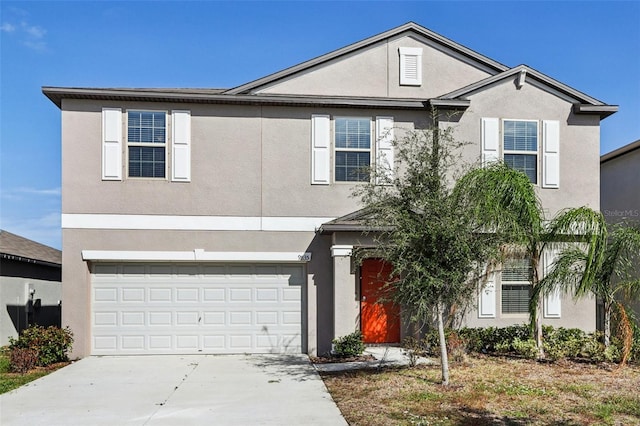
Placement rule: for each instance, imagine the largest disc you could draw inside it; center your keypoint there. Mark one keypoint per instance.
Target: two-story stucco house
(221, 221)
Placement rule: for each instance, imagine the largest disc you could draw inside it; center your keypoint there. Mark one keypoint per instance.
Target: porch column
(346, 292)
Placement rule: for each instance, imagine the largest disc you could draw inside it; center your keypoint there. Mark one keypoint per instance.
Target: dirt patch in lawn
(490, 391)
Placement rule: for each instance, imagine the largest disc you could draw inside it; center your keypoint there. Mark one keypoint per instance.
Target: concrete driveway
(175, 390)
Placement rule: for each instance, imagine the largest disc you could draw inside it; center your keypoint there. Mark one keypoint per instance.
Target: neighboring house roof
(18, 248)
(620, 151)
(586, 104)
(408, 27)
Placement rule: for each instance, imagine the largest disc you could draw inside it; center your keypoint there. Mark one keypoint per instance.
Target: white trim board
(192, 223)
(196, 255)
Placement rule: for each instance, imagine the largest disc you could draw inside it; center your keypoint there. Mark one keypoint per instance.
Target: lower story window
(516, 286)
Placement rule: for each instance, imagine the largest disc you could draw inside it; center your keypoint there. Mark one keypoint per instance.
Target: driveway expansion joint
(161, 404)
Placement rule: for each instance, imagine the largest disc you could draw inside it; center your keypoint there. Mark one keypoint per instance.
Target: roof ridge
(409, 26)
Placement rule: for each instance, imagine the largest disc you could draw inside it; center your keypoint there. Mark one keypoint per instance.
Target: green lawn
(10, 381)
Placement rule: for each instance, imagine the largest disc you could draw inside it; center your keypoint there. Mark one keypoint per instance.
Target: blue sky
(591, 46)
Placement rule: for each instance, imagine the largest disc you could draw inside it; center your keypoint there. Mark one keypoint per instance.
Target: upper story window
(520, 147)
(147, 143)
(516, 286)
(352, 149)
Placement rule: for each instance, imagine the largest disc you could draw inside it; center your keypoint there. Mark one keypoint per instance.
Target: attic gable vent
(410, 66)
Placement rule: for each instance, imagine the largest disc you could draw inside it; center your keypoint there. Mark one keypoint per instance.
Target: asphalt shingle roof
(15, 245)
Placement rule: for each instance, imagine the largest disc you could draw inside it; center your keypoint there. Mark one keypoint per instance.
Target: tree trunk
(607, 324)
(535, 263)
(539, 343)
(444, 358)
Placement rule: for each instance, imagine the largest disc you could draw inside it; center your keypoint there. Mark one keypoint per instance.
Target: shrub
(50, 344)
(413, 349)
(457, 347)
(349, 345)
(22, 359)
(561, 342)
(525, 348)
(593, 347)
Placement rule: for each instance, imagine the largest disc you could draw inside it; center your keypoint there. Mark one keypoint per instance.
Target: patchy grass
(10, 381)
(490, 391)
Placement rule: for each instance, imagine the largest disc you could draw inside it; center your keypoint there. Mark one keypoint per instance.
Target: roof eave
(24, 259)
(602, 110)
(56, 94)
(453, 104)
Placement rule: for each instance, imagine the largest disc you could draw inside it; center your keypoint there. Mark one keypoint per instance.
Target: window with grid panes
(516, 286)
(352, 149)
(147, 143)
(520, 147)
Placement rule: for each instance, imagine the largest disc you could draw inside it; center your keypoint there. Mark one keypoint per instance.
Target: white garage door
(182, 309)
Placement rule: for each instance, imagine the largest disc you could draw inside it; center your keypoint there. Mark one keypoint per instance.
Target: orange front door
(379, 318)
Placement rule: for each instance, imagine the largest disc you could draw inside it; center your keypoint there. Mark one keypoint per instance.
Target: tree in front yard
(426, 232)
(612, 275)
(506, 203)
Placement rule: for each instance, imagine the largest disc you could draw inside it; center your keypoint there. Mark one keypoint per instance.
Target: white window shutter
(551, 154)
(490, 129)
(487, 298)
(320, 149)
(552, 303)
(410, 66)
(384, 145)
(111, 144)
(181, 146)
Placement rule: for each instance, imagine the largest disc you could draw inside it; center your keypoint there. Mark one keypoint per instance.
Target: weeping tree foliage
(610, 272)
(505, 203)
(426, 231)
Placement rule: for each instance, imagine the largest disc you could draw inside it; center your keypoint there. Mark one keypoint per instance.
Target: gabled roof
(633, 146)
(22, 249)
(409, 27)
(585, 104)
(352, 222)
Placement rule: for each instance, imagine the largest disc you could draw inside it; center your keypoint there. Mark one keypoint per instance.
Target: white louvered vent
(410, 66)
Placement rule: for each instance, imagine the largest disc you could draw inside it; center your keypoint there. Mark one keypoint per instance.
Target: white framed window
(520, 146)
(352, 155)
(516, 286)
(147, 144)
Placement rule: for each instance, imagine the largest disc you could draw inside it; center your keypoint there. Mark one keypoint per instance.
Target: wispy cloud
(45, 229)
(21, 192)
(28, 34)
(7, 27)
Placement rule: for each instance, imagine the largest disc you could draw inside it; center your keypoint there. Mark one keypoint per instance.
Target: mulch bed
(335, 359)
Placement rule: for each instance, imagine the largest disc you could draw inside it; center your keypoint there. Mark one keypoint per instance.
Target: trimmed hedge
(559, 343)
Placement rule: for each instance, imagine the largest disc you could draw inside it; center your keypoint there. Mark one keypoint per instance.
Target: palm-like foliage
(507, 205)
(607, 267)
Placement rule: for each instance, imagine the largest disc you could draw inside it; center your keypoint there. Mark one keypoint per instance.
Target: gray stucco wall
(17, 281)
(620, 187)
(375, 70)
(620, 193)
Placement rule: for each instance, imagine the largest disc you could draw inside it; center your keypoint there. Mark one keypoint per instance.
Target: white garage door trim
(214, 308)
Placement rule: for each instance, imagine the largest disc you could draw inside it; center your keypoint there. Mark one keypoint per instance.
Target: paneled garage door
(183, 309)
